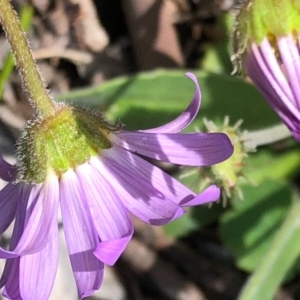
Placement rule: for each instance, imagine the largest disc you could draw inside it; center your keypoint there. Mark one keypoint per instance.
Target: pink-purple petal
(139, 196)
(186, 117)
(194, 149)
(81, 236)
(111, 219)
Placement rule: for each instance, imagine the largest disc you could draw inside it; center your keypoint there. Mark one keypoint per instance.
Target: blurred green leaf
(150, 99)
(249, 228)
(204, 215)
(278, 260)
(266, 164)
(217, 60)
(217, 55)
(181, 226)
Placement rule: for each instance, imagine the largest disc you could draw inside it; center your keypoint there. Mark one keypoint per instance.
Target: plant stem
(266, 136)
(26, 18)
(32, 80)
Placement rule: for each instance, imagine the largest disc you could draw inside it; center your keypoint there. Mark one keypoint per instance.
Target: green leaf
(151, 99)
(266, 164)
(204, 214)
(249, 228)
(280, 257)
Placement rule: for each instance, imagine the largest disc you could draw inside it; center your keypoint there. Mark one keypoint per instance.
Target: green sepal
(260, 19)
(61, 141)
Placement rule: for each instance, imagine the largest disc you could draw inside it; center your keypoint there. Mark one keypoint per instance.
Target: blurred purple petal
(111, 219)
(11, 279)
(194, 149)
(186, 117)
(7, 171)
(148, 202)
(80, 234)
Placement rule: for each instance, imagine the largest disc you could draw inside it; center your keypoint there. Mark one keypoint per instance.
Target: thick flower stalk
(94, 173)
(267, 45)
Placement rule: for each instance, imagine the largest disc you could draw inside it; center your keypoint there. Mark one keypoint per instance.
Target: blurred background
(128, 58)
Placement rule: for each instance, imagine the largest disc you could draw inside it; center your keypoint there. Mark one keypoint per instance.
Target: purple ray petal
(41, 216)
(109, 251)
(7, 171)
(38, 271)
(268, 87)
(291, 60)
(31, 277)
(210, 194)
(35, 273)
(277, 83)
(80, 234)
(152, 203)
(35, 217)
(195, 149)
(111, 219)
(272, 83)
(10, 278)
(186, 117)
(23, 191)
(9, 197)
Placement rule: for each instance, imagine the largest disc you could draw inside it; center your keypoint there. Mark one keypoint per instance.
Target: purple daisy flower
(95, 200)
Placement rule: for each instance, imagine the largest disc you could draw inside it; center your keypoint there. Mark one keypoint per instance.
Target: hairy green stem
(26, 15)
(32, 80)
